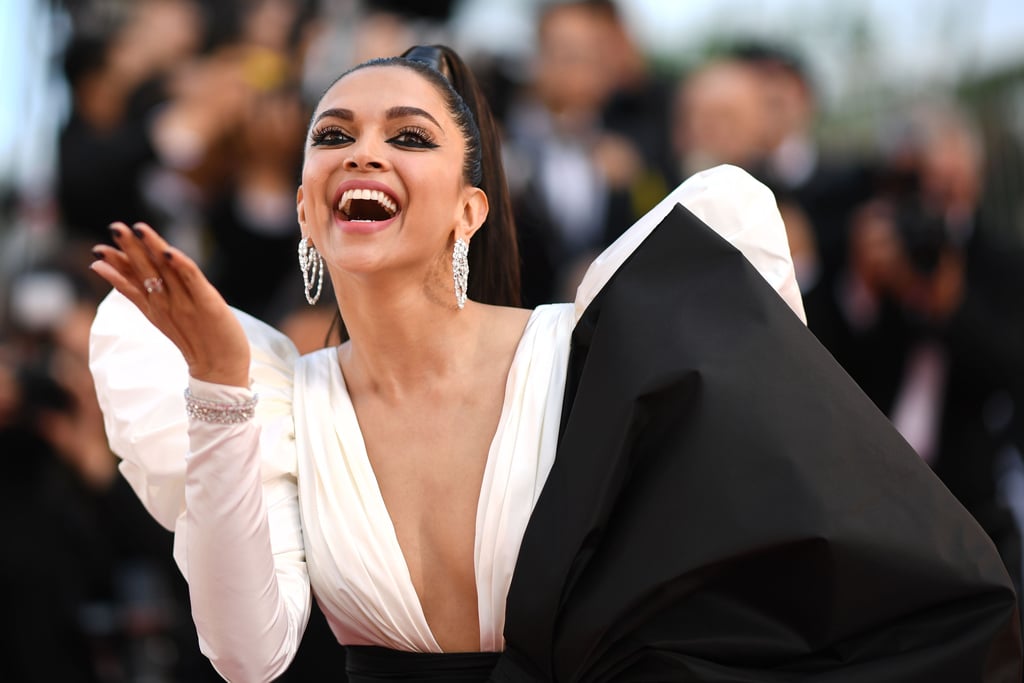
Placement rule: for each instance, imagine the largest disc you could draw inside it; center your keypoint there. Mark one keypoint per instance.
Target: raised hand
(171, 291)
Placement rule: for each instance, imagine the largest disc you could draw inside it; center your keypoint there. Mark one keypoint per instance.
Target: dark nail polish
(115, 231)
(97, 254)
(167, 255)
(136, 232)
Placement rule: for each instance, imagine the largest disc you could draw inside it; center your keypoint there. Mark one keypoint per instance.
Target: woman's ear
(300, 210)
(474, 213)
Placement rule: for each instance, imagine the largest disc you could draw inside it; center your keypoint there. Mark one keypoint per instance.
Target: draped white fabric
(264, 510)
(361, 578)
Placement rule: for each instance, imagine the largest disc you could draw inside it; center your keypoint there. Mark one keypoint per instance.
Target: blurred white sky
(915, 42)
(997, 26)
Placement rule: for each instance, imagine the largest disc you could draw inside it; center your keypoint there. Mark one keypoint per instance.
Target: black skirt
(369, 664)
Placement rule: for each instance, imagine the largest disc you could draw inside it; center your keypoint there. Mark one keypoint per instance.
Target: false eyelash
(423, 137)
(321, 135)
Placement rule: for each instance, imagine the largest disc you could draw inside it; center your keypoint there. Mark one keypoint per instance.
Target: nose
(365, 156)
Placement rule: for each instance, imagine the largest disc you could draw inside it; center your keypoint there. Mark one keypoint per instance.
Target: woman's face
(382, 185)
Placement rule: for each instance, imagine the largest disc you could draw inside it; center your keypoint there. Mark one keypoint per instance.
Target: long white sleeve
(228, 491)
(244, 558)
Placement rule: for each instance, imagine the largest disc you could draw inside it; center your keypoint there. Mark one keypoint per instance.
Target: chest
(428, 456)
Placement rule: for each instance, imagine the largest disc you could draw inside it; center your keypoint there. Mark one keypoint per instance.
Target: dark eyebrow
(390, 114)
(405, 112)
(343, 114)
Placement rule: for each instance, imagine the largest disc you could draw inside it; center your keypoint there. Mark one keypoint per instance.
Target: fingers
(160, 280)
(144, 267)
(163, 278)
(138, 244)
(131, 269)
(114, 267)
(184, 271)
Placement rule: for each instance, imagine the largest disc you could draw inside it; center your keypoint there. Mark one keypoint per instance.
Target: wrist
(219, 391)
(233, 377)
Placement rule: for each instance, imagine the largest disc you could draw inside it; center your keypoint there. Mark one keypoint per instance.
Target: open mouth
(366, 206)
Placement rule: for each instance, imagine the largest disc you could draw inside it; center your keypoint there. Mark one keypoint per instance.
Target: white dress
(266, 510)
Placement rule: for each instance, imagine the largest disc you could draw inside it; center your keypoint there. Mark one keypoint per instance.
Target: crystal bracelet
(219, 412)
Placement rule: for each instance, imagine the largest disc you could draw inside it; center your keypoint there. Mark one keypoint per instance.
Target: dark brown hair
(493, 253)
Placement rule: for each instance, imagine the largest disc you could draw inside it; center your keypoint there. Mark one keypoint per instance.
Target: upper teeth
(344, 204)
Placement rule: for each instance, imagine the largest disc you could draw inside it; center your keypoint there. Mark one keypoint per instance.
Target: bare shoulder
(508, 321)
(513, 316)
(502, 327)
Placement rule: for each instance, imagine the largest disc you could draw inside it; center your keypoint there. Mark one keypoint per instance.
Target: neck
(402, 337)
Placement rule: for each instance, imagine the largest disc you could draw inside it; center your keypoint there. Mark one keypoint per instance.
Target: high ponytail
(494, 252)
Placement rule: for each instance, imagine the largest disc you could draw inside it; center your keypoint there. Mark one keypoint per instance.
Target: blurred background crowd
(901, 185)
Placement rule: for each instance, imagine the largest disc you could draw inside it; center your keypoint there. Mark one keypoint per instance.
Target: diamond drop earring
(460, 270)
(312, 266)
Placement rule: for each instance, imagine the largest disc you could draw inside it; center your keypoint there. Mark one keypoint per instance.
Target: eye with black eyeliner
(329, 136)
(415, 137)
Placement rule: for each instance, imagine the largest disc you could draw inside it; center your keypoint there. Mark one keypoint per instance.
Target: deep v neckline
(381, 513)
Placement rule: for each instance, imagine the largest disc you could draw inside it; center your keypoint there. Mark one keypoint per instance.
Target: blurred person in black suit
(571, 175)
(639, 108)
(718, 118)
(819, 191)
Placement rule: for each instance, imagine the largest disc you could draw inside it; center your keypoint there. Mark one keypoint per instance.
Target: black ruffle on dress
(727, 505)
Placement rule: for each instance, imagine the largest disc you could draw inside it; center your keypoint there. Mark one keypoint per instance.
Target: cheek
(434, 187)
(315, 174)
(312, 170)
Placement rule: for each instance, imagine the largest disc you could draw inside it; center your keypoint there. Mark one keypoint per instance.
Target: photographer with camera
(934, 322)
